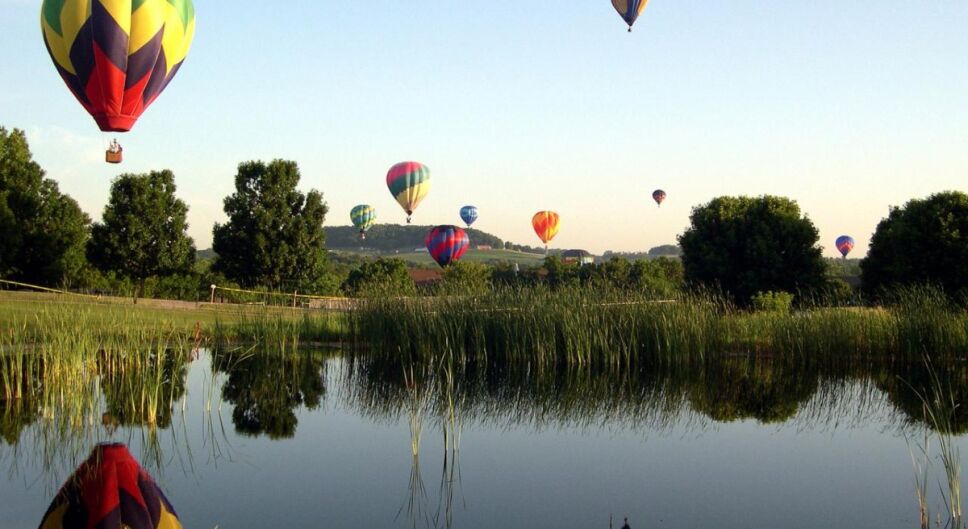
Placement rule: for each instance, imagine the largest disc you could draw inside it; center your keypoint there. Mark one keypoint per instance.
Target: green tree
(745, 245)
(466, 278)
(561, 274)
(660, 278)
(42, 231)
(926, 241)
(143, 231)
(383, 276)
(274, 236)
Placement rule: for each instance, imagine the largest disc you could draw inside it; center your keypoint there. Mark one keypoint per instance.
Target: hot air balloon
(545, 224)
(845, 243)
(110, 489)
(447, 244)
(409, 183)
(116, 56)
(658, 195)
(363, 217)
(629, 10)
(468, 214)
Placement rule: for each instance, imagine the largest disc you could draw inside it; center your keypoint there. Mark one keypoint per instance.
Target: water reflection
(738, 389)
(266, 388)
(265, 391)
(136, 397)
(655, 399)
(424, 410)
(944, 386)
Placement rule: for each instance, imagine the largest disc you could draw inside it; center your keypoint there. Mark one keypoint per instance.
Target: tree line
(747, 248)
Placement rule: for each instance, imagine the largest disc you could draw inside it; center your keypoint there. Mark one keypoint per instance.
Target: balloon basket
(112, 156)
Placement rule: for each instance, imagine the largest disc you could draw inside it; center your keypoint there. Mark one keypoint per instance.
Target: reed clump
(282, 332)
(56, 362)
(601, 328)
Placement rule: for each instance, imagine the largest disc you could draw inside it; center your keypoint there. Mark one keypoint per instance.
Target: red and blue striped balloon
(845, 243)
(447, 244)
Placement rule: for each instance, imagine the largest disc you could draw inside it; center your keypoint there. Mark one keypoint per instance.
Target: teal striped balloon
(363, 217)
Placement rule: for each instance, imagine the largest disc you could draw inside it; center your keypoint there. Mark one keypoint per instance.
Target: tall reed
(589, 327)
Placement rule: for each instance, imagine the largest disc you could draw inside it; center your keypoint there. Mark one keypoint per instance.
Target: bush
(771, 301)
(381, 277)
(466, 278)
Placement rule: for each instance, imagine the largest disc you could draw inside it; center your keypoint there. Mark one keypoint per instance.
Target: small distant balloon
(363, 217)
(629, 10)
(659, 196)
(545, 224)
(845, 243)
(468, 214)
(409, 183)
(447, 244)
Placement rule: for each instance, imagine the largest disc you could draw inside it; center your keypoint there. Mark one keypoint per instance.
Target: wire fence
(217, 295)
(221, 294)
(46, 289)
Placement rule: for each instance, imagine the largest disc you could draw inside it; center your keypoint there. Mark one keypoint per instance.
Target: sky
(517, 106)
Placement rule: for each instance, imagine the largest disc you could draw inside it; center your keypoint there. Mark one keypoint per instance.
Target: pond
(318, 439)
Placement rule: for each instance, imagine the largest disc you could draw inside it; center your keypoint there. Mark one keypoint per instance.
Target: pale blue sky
(517, 105)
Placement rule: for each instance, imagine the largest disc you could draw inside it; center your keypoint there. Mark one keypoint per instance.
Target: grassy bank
(537, 326)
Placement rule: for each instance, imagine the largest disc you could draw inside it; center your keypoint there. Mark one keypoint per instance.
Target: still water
(321, 440)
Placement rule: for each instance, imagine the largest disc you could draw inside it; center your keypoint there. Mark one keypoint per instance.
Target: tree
(274, 236)
(665, 249)
(660, 278)
(381, 277)
(466, 278)
(143, 231)
(746, 245)
(926, 241)
(561, 274)
(42, 231)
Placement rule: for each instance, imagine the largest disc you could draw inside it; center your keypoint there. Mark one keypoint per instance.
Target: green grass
(26, 311)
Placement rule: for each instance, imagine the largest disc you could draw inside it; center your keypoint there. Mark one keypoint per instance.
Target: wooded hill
(395, 237)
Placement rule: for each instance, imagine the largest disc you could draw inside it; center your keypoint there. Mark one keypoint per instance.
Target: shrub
(771, 301)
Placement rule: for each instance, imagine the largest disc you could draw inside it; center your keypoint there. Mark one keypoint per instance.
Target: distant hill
(422, 258)
(391, 238)
(407, 242)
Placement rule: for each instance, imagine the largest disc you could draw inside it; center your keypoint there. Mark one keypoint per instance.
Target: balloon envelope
(545, 224)
(110, 490)
(468, 214)
(629, 10)
(409, 183)
(363, 217)
(447, 244)
(116, 56)
(845, 243)
(658, 195)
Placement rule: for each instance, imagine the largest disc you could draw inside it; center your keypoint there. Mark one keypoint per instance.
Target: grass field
(29, 308)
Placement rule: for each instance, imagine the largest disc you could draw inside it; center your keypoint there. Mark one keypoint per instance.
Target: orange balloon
(545, 225)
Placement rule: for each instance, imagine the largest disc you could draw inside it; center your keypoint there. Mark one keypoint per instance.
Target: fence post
(213, 294)
(294, 292)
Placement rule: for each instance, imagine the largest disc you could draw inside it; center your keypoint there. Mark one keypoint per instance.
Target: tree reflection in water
(654, 399)
(267, 387)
